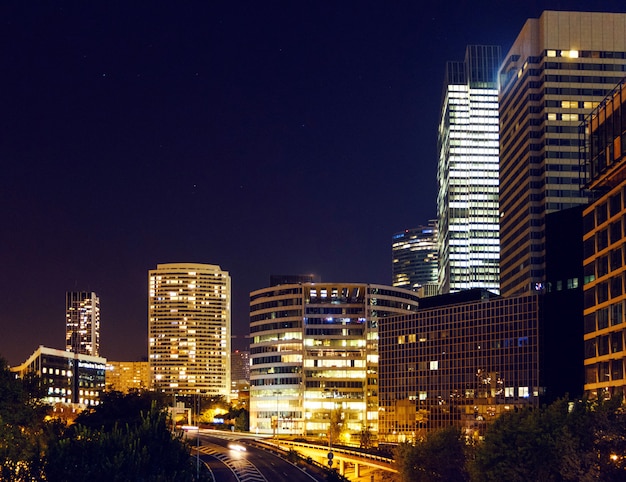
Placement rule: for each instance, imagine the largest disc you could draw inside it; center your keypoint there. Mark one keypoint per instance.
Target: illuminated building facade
(189, 329)
(467, 176)
(240, 379)
(82, 322)
(461, 360)
(414, 257)
(127, 376)
(559, 68)
(314, 355)
(604, 266)
(240, 368)
(66, 377)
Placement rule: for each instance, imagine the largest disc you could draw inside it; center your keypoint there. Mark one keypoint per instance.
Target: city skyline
(220, 135)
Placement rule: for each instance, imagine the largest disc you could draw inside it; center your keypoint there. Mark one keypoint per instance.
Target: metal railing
(353, 453)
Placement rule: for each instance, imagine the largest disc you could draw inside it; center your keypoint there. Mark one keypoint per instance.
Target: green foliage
(121, 409)
(21, 426)
(144, 451)
(242, 419)
(440, 456)
(332, 475)
(366, 437)
(293, 456)
(577, 441)
(125, 438)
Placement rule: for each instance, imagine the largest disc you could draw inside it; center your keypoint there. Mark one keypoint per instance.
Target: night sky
(265, 137)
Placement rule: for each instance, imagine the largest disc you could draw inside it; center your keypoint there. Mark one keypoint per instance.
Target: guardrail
(377, 458)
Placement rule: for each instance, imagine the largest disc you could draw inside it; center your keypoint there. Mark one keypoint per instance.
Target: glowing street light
(195, 428)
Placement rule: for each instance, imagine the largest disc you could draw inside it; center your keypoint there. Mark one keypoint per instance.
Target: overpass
(355, 465)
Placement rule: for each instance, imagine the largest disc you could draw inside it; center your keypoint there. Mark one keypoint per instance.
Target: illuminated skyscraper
(467, 200)
(189, 329)
(414, 257)
(82, 323)
(314, 355)
(559, 68)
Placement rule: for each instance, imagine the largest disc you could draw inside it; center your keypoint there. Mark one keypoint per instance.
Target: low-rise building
(66, 377)
(127, 376)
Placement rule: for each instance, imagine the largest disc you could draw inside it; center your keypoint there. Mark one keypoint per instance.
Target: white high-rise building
(82, 323)
(467, 200)
(189, 329)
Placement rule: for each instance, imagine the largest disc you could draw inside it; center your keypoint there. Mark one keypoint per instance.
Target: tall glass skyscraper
(189, 329)
(559, 68)
(467, 200)
(414, 257)
(82, 323)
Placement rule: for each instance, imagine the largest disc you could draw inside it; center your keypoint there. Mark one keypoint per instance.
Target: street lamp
(195, 428)
(277, 393)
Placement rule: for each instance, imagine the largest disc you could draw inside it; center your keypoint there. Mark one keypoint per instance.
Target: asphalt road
(253, 465)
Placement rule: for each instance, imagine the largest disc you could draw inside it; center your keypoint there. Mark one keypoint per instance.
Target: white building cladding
(467, 200)
(189, 329)
(314, 352)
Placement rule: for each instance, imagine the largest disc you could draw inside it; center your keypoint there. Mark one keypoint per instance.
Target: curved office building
(314, 356)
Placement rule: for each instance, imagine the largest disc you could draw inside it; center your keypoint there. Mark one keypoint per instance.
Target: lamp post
(277, 393)
(195, 428)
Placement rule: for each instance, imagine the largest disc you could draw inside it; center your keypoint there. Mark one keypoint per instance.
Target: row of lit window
(552, 116)
(507, 392)
(56, 371)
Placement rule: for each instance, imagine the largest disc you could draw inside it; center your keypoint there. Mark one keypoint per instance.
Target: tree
(242, 420)
(337, 426)
(581, 441)
(211, 407)
(121, 409)
(22, 414)
(440, 456)
(139, 450)
(365, 437)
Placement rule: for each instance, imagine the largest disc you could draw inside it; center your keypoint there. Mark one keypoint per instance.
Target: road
(253, 465)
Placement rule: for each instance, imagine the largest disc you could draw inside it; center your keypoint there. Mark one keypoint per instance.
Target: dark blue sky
(265, 137)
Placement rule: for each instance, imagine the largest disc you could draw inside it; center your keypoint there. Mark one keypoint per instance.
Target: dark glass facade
(460, 363)
(414, 257)
(604, 244)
